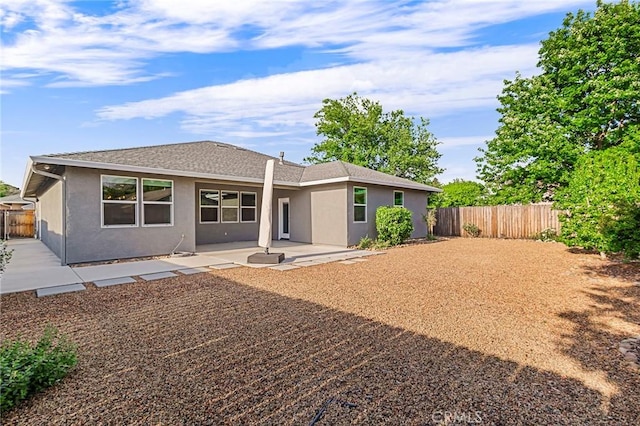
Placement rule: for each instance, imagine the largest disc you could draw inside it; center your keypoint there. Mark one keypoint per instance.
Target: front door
(283, 218)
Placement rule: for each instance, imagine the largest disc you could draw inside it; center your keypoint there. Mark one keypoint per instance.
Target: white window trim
(208, 207)
(103, 201)
(366, 199)
(162, 203)
(394, 198)
(255, 208)
(223, 207)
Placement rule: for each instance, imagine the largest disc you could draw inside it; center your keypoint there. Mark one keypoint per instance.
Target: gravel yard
(465, 330)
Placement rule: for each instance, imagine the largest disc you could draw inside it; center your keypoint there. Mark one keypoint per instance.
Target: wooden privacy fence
(497, 221)
(17, 223)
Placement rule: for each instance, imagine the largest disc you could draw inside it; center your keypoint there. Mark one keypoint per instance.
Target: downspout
(63, 249)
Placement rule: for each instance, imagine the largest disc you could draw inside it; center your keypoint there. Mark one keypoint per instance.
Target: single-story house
(145, 201)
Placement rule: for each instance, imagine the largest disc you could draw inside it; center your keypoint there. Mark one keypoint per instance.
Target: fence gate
(17, 224)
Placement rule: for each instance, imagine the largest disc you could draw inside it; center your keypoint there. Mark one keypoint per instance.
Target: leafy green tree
(459, 193)
(602, 201)
(6, 189)
(586, 98)
(356, 130)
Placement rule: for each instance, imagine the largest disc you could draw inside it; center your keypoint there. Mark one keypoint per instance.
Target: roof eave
(152, 170)
(27, 177)
(408, 185)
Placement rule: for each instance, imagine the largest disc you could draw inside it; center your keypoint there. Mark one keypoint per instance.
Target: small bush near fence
(394, 224)
(472, 230)
(27, 369)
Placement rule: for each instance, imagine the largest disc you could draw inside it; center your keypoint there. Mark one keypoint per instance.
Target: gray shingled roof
(215, 158)
(221, 159)
(337, 169)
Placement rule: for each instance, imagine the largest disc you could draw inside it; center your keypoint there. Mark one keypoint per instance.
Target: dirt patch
(492, 331)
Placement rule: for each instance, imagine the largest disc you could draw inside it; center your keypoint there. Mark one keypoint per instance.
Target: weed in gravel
(26, 369)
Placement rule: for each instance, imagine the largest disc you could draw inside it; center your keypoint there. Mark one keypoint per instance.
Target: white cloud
(96, 50)
(423, 84)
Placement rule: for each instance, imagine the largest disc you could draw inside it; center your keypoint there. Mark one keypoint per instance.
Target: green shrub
(27, 369)
(471, 229)
(380, 245)
(622, 229)
(365, 243)
(601, 202)
(394, 224)
(546, 235)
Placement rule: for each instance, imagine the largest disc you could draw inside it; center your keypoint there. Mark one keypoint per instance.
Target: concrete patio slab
(158, 276)
(294, 252)
(283, 267)
(306, 263)
(191, 271)
(195, 261)
(50, 291)
(34, 266)
(347, 262)
(359, 259)
(124, 269)
(114, 281)
(226, 266)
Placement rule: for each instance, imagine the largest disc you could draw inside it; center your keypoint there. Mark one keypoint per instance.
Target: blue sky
(91, 75)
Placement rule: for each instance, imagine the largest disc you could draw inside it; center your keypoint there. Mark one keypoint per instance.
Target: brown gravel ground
(482, 331)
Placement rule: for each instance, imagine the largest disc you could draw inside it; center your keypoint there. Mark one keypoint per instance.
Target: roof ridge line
(345, 167)
(131, 148)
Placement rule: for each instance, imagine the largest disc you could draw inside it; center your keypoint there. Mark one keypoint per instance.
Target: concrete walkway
(34, 267)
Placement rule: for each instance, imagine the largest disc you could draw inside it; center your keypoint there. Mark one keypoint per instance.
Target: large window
(398, 198)
(359, 204)
(119, 201)
(157, 202)
(248, 202)
(229, 206)
(209, 206)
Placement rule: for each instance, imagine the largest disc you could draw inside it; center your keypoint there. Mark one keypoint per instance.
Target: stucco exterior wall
(87, 240)
(416, 201)
(224, 232)
(377, 196)
(328, 214)
(300, 214)
(50, 218)
(319, 214)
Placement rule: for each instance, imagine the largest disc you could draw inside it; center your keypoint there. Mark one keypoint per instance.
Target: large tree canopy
(356, 130)
(6, 189)
(586, 98)
(459, 193)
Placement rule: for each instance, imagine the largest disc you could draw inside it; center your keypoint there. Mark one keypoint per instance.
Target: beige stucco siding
(87, 240)
(50, 218)
(377, 196)
(328, 214)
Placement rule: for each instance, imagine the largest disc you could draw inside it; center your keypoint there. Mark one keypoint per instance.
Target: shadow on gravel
(615, 269)
(613, 311)
(211, 351)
